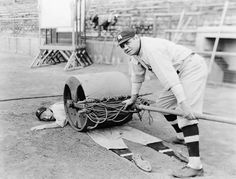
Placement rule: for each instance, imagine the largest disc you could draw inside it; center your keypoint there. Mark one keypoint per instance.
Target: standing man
(183, 75)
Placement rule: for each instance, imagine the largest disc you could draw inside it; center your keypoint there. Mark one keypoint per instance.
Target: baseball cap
(40, 111)
(125, 35)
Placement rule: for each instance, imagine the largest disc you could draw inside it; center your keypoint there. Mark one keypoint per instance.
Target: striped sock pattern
(191, 137)
(172, 119)
(125, 153)
(160, 147)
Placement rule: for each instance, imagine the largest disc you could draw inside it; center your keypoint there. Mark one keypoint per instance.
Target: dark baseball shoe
(186, 172)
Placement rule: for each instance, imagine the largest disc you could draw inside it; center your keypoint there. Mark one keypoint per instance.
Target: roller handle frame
(180, 113)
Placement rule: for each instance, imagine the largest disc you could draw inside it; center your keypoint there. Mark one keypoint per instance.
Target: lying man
(56, 114)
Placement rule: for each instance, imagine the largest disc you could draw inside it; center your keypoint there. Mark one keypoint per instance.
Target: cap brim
(123, 41)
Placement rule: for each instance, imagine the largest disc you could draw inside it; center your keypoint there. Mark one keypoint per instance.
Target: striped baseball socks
(191, 137)
(172, 119)
(162, 148)
(125, 153)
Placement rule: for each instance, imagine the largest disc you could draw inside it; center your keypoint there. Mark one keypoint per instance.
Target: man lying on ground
(56, 114)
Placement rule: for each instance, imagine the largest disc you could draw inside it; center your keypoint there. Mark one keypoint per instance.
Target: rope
(108, 109)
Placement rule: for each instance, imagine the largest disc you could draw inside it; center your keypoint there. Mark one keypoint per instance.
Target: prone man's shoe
(141, 163)
(186, 172)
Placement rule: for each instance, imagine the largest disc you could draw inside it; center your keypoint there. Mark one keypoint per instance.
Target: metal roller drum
(93, 86)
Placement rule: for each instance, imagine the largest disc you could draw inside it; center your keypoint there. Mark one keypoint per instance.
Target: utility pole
(76, 23)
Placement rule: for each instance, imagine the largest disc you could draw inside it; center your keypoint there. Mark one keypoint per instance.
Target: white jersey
(59, 113)
(165, 58)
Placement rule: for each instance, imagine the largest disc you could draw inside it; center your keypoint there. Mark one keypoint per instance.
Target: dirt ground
(64, 153)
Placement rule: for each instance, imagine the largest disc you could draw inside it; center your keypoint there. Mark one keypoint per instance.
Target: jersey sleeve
(165, 72)
(137, 76)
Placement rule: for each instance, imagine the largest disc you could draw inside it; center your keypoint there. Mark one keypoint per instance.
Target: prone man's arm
(45, 126)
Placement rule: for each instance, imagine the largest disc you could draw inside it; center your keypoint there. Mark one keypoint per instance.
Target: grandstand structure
(19, 17)
(188, 22)
(150, 17)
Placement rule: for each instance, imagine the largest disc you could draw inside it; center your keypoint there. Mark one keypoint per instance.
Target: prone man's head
(45, 114)
(129, 42)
